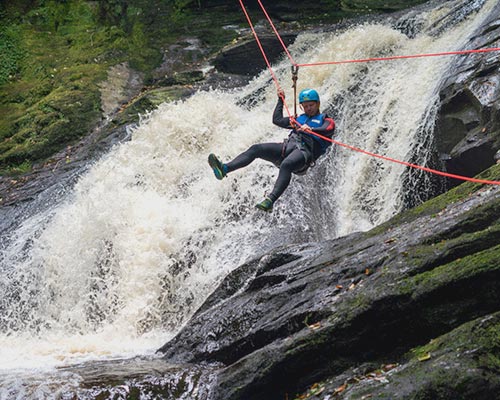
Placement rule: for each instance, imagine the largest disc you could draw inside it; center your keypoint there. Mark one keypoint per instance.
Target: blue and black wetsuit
(295, 154)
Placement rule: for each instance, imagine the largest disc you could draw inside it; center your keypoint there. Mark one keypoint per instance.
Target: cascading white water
(148, 232)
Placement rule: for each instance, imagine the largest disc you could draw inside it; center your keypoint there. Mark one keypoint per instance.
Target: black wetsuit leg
(294, 161)
(266, 151)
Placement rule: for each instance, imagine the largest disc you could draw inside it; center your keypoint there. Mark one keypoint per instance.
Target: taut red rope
(430, 170)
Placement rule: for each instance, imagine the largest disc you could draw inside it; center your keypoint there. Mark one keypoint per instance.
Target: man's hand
(304, 128)
(281, 94)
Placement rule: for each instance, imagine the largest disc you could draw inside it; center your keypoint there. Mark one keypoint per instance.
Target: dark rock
(314, 312)
(453, 366)
(378, 5)
(138, 378)
(468, 128)
(245, 58)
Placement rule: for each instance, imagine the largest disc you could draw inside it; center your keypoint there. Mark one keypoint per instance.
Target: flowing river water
(117, 266)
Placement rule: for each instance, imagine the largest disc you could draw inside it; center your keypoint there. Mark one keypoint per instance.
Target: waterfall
(117, 267)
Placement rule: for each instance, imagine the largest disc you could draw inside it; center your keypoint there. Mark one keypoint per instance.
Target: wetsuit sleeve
(328, 127)
(278, 119)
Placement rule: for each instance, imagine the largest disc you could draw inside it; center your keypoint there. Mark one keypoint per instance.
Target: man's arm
(327, 129)
(278, 119)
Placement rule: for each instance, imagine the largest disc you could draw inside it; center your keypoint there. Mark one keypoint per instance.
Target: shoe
(265, 205)
(217, 166)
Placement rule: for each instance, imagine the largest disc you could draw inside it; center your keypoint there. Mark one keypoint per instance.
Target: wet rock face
(331, 311)
(236, 58)
(122, 84)
(468, 127)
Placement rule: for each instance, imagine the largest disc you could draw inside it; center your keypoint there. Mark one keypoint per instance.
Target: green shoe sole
(265, 205)
(216, 166)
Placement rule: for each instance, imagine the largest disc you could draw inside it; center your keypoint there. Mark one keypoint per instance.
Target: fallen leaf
(339, 286)
(317, 390)
(340, 389)
(391, 240)
(315, 326)
(367, 271)
(425, 357)
(388, 367)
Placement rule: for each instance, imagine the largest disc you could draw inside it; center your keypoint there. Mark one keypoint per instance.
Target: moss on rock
(436, 205)
(55, 121)
(462, 364)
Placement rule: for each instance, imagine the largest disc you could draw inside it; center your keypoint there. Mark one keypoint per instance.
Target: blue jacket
(314, 146)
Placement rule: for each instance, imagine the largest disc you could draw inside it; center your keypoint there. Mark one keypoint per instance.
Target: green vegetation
(438, 204)
(49, 96)
(481, 337)
(54, 54)
(459, 270)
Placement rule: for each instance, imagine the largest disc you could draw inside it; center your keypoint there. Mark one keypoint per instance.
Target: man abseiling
(299, 151)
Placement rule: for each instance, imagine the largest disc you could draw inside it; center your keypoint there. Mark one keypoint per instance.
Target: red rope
(259, 44)
(277, 34)
(364, 60)
(292, 119)
(433, 171)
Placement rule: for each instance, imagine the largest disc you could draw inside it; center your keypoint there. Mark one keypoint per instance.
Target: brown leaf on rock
(315, 326)
(340, 389)
(388, 367)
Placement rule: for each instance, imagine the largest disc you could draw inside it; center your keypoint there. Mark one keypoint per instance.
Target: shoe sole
(263, 208)
(215, 165)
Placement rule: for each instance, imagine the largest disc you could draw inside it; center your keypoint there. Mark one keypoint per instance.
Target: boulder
(319, 312)
(457, 365)
(245, 58)
(468, 126)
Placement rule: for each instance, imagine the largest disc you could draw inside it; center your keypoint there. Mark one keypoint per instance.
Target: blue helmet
(308, 95)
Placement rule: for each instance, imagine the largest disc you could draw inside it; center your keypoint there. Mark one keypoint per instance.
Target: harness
(305, 141)
(314, 122)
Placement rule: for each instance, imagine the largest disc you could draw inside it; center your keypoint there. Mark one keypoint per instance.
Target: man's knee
(293, 164)
(255, 150)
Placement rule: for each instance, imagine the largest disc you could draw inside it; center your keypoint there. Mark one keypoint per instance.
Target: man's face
(311, 108)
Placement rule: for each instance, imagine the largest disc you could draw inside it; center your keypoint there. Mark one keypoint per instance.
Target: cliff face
(468, 128)
(350, 314)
